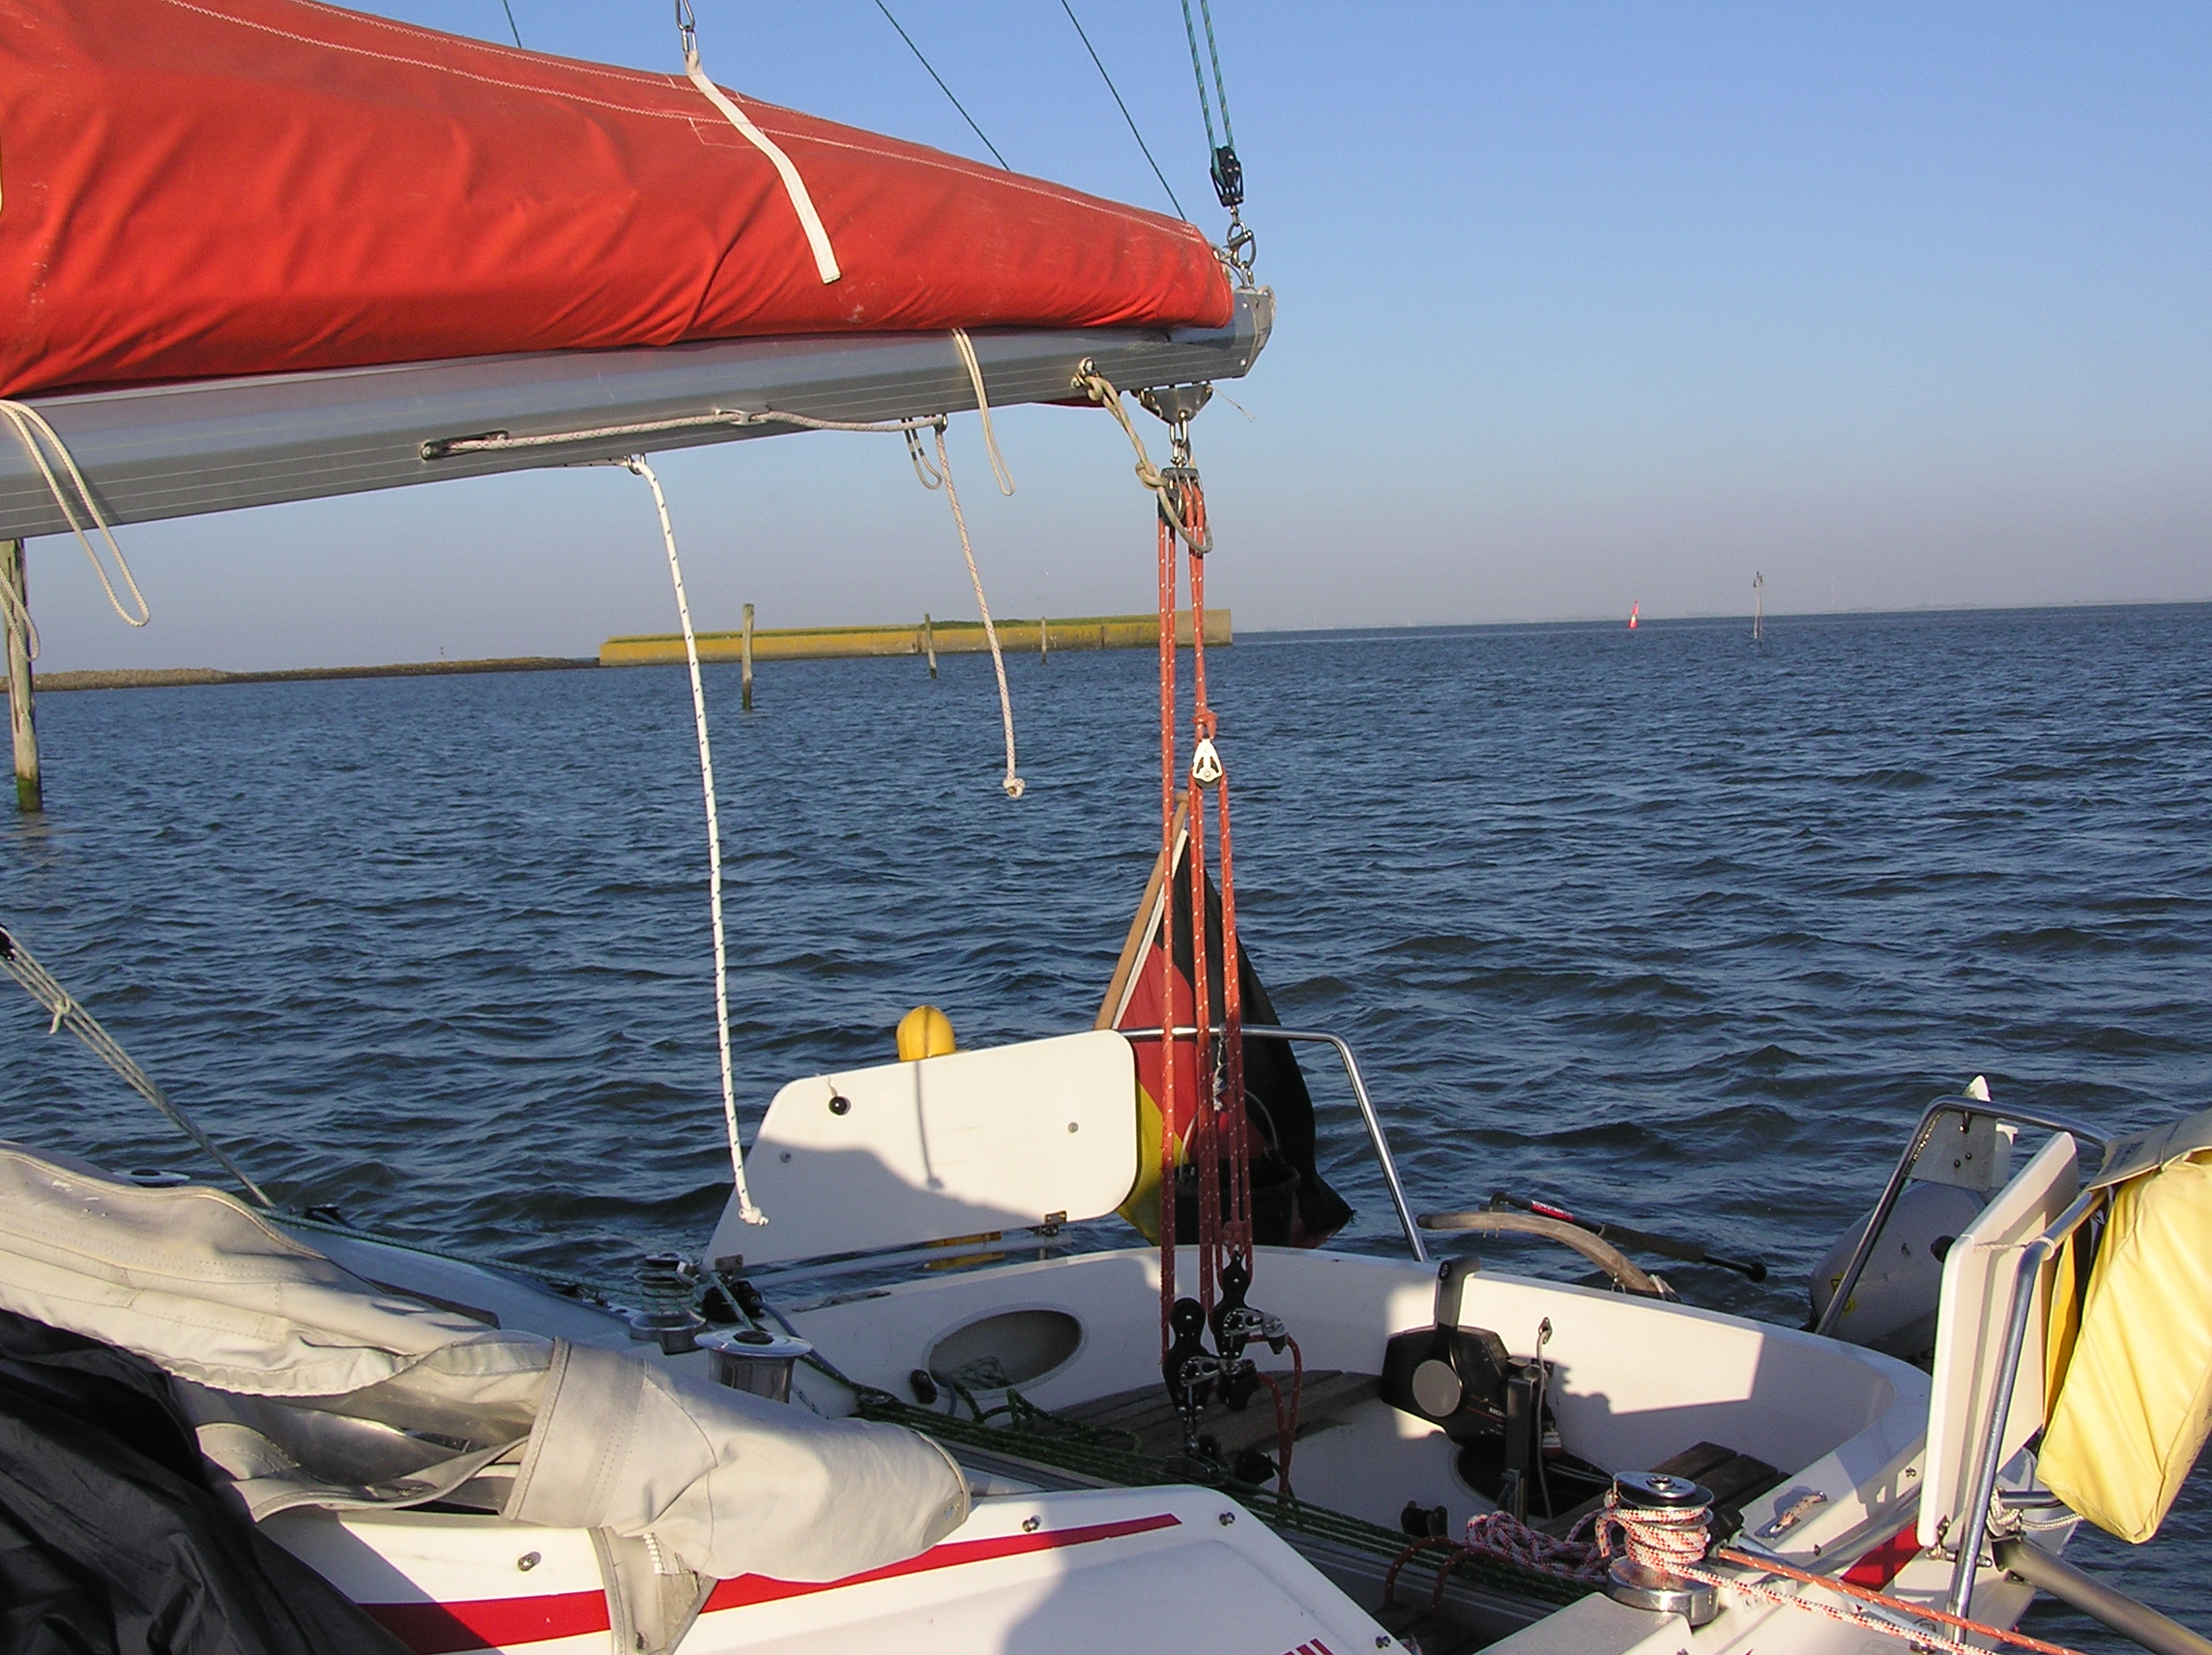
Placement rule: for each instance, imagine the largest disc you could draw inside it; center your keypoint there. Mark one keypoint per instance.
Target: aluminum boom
(178, 450)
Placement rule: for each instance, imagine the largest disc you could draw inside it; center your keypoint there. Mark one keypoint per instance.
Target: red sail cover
(200, 188)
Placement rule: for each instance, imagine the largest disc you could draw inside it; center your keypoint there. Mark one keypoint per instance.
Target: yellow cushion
(2134, 1403)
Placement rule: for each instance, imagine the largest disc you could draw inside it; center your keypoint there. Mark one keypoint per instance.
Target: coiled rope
(36, 436)
(1675, 1540)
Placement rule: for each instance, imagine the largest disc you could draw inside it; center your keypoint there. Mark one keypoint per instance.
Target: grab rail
(2033, 1257)
(1968, 1108)
(1375, 1133)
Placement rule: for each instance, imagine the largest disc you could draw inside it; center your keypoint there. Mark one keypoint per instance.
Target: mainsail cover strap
(728, 1483)
(794, 185)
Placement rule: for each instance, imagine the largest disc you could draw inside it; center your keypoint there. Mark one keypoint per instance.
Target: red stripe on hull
(748, 1589)
(488, 1623)
(1886, 1561)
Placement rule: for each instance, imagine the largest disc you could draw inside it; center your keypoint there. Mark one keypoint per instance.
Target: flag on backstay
(1292, 1204)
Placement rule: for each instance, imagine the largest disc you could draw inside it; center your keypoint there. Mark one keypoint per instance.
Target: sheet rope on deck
(1119, 1468)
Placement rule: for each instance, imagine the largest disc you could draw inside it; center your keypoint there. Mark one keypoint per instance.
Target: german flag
(1292, 1204)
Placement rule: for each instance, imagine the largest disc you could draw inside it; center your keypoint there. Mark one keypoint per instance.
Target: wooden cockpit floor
(1151, 1418)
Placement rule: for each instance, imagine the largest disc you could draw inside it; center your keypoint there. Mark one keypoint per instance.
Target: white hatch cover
(958, 1145)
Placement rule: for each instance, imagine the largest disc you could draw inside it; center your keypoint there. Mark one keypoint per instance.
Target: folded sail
(208, 189)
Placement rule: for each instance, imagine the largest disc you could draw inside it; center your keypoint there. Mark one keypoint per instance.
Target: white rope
(746, 1210)
(939, 476)
(966, 346)
(31, 430)
(1100, 389)
(928, 474)
(1675, 1540)
(499, 442)
(1012, 782)
(795, 187)
(18, 611)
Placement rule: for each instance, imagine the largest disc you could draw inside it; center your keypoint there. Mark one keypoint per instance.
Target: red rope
(1168, 791)
(1223, 1237)
(1205, 1151)
(1237, 1229)
(1397, 1563)
(1231, 1235)
(1288, 1429)
(1900, 1606)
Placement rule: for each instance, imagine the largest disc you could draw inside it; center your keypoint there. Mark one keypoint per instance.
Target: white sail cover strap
(794, 185)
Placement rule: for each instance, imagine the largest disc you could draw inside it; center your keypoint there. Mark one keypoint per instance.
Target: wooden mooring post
(1045, 639)
(745, 656)
(15, 576)
(929, 640)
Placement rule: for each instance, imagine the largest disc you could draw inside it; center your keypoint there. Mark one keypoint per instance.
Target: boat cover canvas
(117, 1538)
(202, 188)
(2131, 1356)
(311, 1386)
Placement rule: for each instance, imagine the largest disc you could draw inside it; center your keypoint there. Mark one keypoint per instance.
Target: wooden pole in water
(929, 640)
(745, 656)
(15, 575)
(1044, 638)
(1758, 607)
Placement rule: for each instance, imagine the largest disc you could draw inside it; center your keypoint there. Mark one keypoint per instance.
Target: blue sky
(1580, 306)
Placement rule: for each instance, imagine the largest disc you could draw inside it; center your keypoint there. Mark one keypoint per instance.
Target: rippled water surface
(1676, 930)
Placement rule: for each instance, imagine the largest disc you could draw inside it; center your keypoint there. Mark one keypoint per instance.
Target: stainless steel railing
(1375, 1134)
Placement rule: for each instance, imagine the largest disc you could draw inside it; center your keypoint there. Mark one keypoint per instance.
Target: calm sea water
(1676, 930)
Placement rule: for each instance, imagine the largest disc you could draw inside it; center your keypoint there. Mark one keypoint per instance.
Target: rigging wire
(1124, 108)
(941, 86)
(512, 29)
(42, 986)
